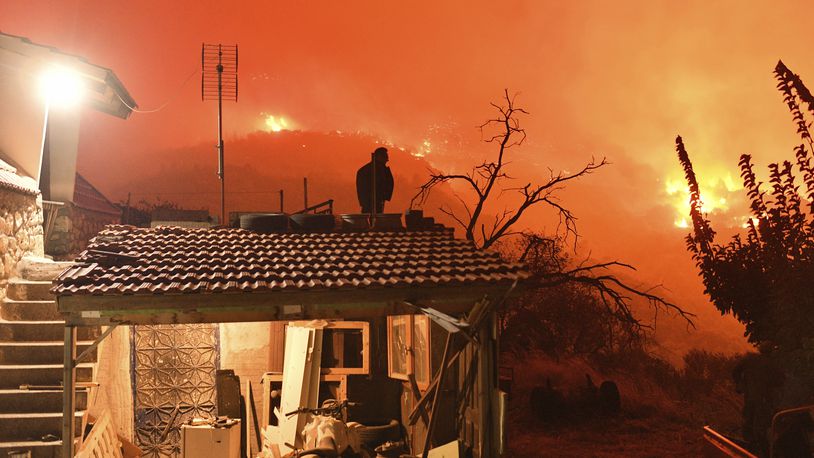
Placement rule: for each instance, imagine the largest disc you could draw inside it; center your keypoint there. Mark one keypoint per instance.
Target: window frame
(410, 322)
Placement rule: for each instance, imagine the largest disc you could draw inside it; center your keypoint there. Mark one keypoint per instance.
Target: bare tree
(485, 184)
(484, 179)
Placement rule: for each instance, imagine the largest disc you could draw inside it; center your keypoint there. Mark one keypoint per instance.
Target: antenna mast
(219, 82)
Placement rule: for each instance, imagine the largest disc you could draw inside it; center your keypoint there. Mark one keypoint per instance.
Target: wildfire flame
(715, 198)
(424, 149)
(274, 123)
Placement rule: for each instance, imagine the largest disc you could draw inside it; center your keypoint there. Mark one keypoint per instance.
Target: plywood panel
(303, 351)
(276, 346)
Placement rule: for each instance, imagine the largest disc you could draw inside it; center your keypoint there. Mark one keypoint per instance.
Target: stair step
(40, 352)
(29, 401)
(33, 426)
(20, 289)
(12, 376)
(42, 331)
(38, 449)
(29, 310)
(41, 269)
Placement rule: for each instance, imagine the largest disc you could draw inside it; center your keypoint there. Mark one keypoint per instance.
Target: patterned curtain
(173, 381)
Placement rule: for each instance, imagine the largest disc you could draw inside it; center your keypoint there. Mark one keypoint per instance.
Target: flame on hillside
(717, 197)
(272, 123)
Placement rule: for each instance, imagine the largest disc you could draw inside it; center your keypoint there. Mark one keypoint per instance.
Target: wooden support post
(69, 392)
(435, 403)
(430, 392)
(416, 397)
(487, 388)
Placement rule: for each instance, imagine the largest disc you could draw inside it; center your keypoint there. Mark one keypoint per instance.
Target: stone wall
(20, 231)
(73, 227)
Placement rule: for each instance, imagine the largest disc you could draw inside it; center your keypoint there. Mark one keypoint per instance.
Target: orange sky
(619, 79)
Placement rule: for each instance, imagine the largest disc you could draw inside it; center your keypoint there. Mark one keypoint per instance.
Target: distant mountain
(260, 164)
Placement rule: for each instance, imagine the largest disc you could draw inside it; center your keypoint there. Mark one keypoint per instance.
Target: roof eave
(271, 306)
(107, 92)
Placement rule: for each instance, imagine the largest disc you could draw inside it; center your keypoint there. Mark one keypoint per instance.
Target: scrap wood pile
(303, 427)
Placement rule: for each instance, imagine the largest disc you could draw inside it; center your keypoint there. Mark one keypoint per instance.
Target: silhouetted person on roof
(383, 180)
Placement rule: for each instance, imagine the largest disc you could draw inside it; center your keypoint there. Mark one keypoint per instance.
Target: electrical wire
(164, 105)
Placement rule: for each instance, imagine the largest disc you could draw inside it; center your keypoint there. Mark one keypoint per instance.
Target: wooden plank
(303, 349)
(170, 315)
(251, 415)
(266, 412)
(430, 392)
(276, 346)
(433, 412)
(416, 396)
(359, 300)
(297, 345)
(69, 392)
(102, 440)
(313, 372)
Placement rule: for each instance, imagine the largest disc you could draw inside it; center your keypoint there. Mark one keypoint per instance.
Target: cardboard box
(206, 441)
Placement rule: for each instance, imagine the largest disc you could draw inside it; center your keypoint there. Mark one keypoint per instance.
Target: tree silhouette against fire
(765, 279)
(594, 288)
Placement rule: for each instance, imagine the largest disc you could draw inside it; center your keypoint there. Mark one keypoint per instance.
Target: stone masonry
(20, 231)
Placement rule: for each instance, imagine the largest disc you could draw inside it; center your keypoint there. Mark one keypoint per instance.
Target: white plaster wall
(244, 347)
(22, 113)
(63, 144)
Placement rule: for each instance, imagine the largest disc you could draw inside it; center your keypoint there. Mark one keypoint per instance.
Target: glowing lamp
(61, 86)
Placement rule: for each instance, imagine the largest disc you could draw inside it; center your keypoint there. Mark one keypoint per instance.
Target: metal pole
(305, 191)
(69, 392)
(373, 209)
(220, 139)
(281, 201)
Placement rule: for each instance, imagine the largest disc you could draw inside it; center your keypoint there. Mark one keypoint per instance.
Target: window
(345, 347)
(408, 348)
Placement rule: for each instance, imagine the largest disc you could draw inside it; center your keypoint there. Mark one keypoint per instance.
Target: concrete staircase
(31, 353)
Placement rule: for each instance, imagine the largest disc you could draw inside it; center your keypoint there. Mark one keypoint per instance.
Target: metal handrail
(808, 408)
(329, 210)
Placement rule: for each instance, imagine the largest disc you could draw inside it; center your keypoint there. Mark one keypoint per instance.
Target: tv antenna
(219, 82)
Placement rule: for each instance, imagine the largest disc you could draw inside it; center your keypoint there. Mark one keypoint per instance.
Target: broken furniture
(102, 442)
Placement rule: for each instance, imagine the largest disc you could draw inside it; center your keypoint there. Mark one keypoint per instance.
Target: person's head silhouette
(380, 155)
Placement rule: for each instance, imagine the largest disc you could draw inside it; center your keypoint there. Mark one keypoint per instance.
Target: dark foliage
(765, 277)
(562, 316)
(140, 214)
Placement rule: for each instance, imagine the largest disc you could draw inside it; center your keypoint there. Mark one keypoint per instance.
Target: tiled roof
(9, 179)
(86, 196)
(172, 260)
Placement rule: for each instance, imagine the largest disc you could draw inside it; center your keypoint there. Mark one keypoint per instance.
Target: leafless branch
(480, 183)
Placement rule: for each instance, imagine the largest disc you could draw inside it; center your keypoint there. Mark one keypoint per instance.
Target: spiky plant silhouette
(766, 279)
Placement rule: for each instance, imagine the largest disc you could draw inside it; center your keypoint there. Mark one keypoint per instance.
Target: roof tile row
(124, 260)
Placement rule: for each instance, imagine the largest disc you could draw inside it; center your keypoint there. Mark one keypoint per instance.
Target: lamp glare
(61, 86)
